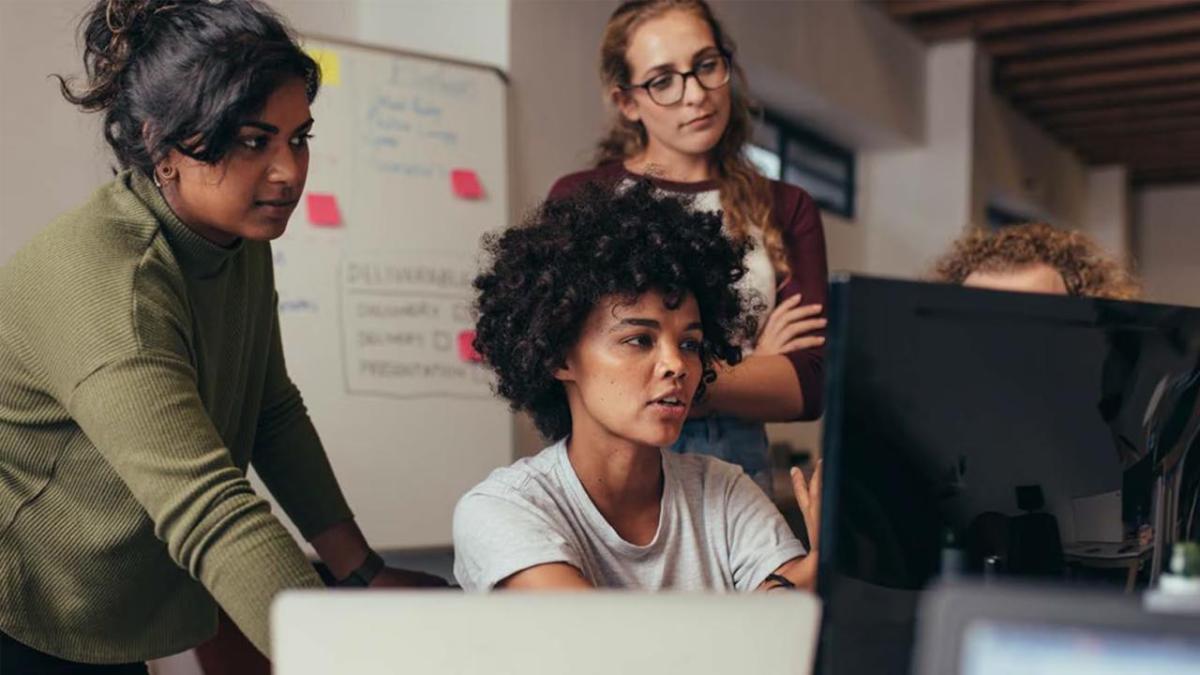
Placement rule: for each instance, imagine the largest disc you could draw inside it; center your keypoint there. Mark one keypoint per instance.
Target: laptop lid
(601, 633)
(1036, 630)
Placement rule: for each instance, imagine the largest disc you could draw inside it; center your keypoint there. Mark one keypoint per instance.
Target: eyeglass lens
(711, 73)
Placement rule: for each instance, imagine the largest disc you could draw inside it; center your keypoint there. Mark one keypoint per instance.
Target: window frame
(788, 132)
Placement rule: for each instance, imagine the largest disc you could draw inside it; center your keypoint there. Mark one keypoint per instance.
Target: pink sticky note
(466, 350)
(323, 210)
(466, 184)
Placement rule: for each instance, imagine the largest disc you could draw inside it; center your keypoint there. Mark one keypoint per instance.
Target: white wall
(914, 201)
(53, 156)
(1108, 211)
(843, 67)
(556, 106)
(470, 30)
(1168, 243)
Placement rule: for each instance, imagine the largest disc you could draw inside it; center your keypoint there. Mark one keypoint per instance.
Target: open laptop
(600, 633)
(1005, 629)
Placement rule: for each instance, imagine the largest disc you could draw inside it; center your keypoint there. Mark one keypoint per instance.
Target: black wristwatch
(362, 576)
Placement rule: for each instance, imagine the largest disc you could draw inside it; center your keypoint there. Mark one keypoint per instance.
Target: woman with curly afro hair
(602, 315)
(1035, 258)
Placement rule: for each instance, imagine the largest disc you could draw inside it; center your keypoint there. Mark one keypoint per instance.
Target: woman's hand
(808, 497)
(790, 327)
(803, 571)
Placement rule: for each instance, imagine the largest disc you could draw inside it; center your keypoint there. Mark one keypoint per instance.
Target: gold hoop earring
(168, 174)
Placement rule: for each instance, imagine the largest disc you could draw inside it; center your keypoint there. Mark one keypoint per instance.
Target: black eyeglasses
(712, 72)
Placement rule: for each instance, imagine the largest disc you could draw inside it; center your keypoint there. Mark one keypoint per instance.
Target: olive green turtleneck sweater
(141, 371)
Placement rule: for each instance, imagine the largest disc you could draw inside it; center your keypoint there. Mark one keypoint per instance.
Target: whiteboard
(374, 279)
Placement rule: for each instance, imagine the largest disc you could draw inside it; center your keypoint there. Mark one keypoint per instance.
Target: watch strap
(365, 573)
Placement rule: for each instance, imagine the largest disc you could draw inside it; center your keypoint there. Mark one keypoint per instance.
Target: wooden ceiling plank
(1135, 76)
(1076, 62)
(1010, 17)
(1159, 168)
(1168, 172)
(1152, 166)
(1132, 157)
(912, 8)
(1164, 166)
(1121, 141)
(1131, 29)
(1184, 148)
(1059, 102)
(1125, 113)
(1174, 143)
(1167, 177)
(1099, 132)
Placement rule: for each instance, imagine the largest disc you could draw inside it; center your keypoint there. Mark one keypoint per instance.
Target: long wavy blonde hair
(745, 193)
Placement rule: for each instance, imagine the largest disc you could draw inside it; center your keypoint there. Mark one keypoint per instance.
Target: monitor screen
(1003, 648)
(967, 431)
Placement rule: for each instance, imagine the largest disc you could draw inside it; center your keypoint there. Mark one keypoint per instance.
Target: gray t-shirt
(716, 529)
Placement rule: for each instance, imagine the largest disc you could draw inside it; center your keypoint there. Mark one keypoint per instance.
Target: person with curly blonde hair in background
(1036, 258)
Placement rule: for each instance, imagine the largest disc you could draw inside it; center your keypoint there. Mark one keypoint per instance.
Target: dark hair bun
(182, 74)
(112, 32)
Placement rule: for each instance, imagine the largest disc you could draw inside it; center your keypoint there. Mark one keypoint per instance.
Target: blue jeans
(730, 439)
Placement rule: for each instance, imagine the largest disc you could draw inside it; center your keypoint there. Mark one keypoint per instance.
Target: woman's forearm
(342, 548)
(760, 389)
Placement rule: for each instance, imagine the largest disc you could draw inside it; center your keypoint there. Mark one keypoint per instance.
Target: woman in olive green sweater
(141, 369)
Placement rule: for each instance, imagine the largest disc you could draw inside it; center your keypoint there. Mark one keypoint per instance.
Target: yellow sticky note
(331, 67)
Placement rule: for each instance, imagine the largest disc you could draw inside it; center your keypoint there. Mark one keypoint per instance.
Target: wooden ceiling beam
(1126, 77)
(916, 8)
(1130, 29)
(1092, 60)
(1171, 142)
(1182, 145)
(1166, 176)
(1150, 168)
(1174, 165)
(1143, 156)
(1074, 102)
(1100, 132)
(1163, 173)
(1142, 159)
(1011, 17)
(1124, 114)
(1159, 163)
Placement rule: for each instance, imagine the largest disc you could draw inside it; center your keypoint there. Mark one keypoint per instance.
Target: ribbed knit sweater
(141, 372)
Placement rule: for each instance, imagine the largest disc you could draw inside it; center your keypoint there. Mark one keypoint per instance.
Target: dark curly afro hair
(547, 274)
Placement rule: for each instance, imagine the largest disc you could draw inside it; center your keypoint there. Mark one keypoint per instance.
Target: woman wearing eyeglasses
(683, 121)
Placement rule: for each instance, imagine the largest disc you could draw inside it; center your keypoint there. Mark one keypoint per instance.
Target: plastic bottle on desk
(1179, 589)
(951, 556)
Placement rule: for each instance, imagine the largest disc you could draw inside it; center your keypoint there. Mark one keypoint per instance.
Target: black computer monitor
(962, 428)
